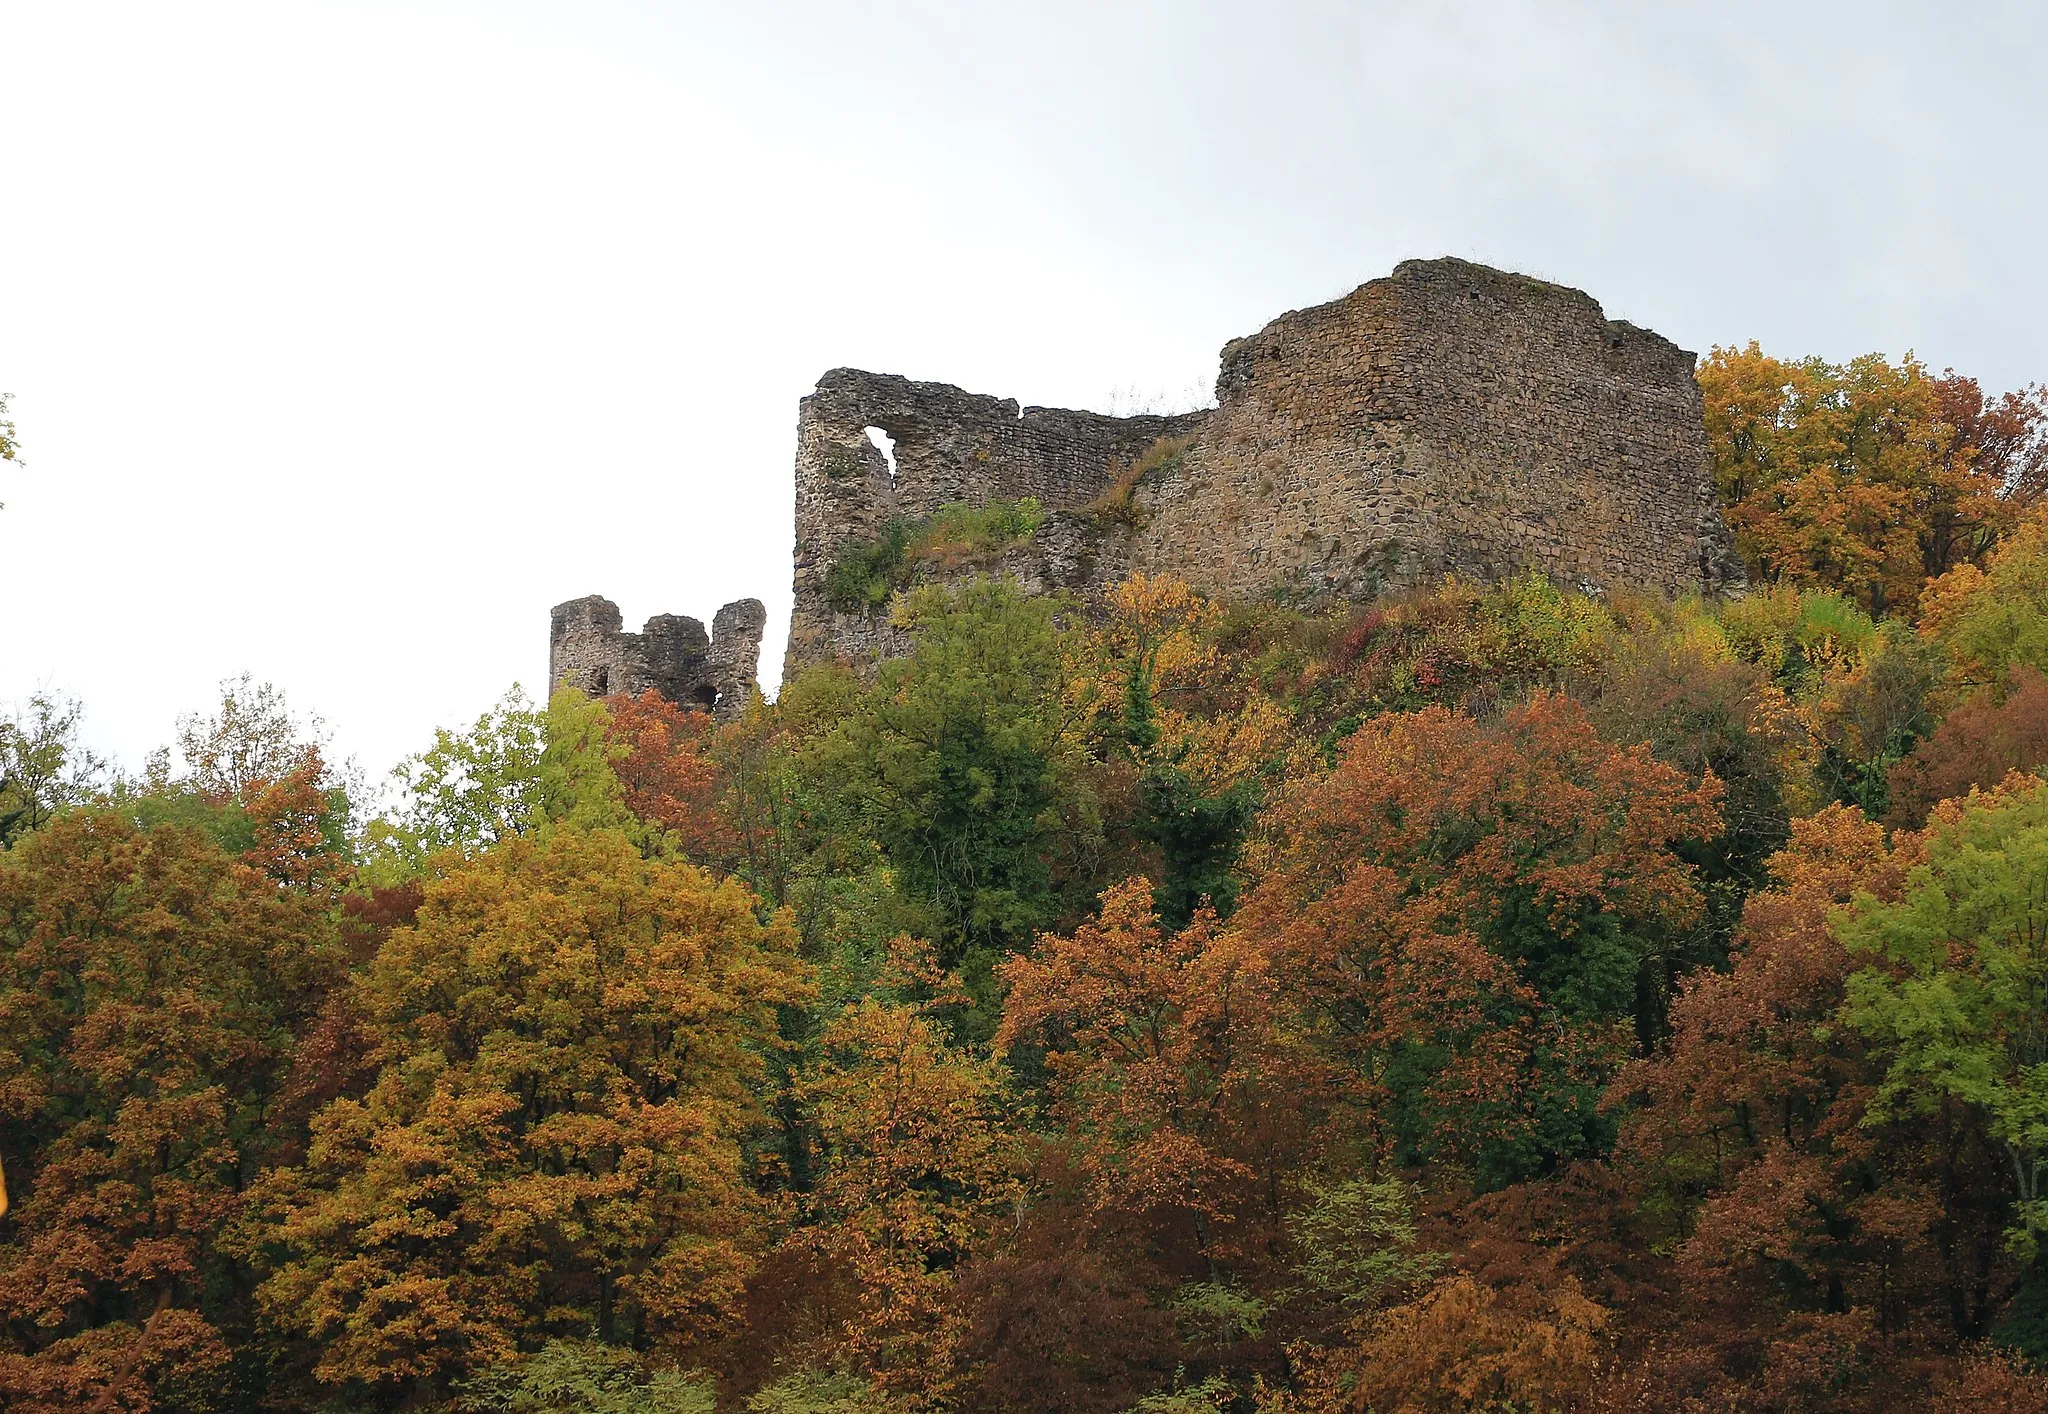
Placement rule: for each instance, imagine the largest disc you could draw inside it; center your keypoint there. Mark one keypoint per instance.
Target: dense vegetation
(1484, 998)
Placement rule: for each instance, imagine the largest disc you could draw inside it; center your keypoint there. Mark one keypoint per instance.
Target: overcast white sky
(347, 338)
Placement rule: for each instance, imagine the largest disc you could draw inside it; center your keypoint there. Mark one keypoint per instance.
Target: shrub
(585, 1375)
(863, 576)
(867, 572)
(812, 1392)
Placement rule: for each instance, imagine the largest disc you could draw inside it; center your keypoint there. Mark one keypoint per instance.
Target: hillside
(1490, 983)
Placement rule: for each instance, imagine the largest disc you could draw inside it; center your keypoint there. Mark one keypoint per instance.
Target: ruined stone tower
(1447, 419)
(672, 654)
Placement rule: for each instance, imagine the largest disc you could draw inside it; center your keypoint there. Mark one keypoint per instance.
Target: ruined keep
(1447, 419)
(588, 650)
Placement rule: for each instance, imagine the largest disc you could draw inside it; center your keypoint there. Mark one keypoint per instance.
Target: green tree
(1958, 994)
(10, 445)
(43, 768)
(1357, 1241)
(517, 771)
(1991, 621)
(963, 764)
(812, 1392)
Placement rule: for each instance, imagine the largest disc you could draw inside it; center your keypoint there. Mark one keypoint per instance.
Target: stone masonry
(950, 447)
(1447, 419)
(672, 654)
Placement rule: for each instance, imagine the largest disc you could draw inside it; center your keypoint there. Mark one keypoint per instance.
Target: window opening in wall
(603, 683)
(706, 696)
(886, 445)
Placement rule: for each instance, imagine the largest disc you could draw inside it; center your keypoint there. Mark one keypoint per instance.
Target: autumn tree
(150, 988)
(1461, 1345)
(1544, 840)
(1748, 1115)
(1812, 1227)
(566, 1041)
(2008, 434)
(1471, 915)
(1167, 1062)
(669, 774)
(1060, 1317)
(920, 1167)
(1976, 745)
(1868, 477)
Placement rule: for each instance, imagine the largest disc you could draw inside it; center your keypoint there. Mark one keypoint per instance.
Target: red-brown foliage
(1976, 745)
(670, 778)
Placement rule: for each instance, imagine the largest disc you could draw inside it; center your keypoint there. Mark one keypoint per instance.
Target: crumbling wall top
(1447, 418)
(671, 655)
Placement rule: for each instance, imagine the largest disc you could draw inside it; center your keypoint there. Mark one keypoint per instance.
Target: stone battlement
(1447, 419)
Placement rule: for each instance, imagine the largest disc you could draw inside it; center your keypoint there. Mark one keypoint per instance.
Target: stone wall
(1448, 419)
(588, 650)
(950, 447)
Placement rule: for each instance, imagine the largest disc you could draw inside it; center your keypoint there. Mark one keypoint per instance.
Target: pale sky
(345, 339)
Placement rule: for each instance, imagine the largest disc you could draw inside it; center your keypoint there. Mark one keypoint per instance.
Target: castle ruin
(588, 650)
(1447, 419)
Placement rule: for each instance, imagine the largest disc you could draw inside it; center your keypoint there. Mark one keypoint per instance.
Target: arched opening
(705, 696)
(601, 682)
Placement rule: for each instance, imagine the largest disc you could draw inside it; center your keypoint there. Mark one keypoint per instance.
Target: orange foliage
(1867, 477)
(1461, 1346)
(1165, 1055)
(1988, 1382)
(290, 819)
(920, 1168)
(670, 778)
(1449, 900)
(1810, 1240)
(1977, 744)
(568, 1041)
(1461, 812)
(147, 982)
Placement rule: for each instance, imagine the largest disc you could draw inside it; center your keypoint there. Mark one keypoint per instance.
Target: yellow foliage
(568, 1043)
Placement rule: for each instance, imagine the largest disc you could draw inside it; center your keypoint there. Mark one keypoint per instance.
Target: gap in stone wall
(886, 445)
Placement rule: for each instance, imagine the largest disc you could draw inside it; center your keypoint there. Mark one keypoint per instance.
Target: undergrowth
(866, 573)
